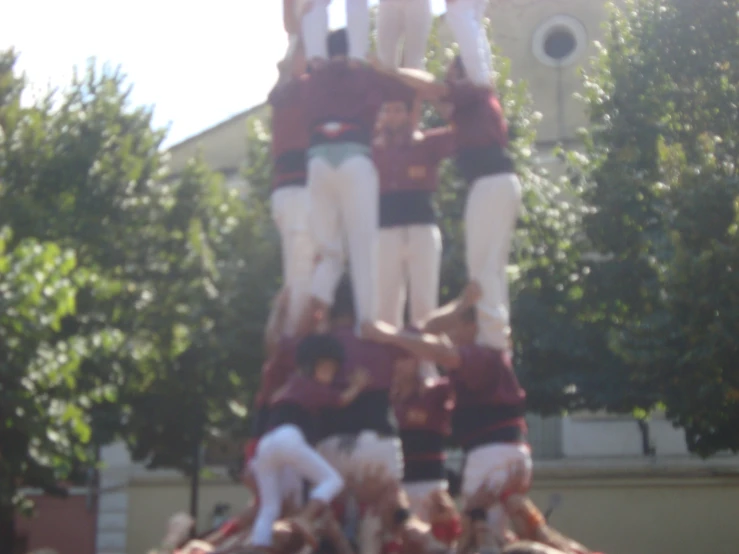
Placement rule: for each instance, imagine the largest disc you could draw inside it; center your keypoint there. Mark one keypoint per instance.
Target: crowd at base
(458, 533)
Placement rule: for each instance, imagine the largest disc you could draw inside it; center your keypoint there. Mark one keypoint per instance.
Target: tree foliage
(661, 172)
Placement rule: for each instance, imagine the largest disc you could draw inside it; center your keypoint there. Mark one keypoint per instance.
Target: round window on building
(559, 41)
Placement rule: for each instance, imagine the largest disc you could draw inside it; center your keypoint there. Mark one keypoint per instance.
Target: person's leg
(290, 212)
(359, 214)
(308, 464)
(389, 31)
(418, 22)
(391, 280)
(314, 25)
(325, 226)
(266, 470)
(424, 267)
(490, 218)
(462, 16)
(357, 28)
(502, 469)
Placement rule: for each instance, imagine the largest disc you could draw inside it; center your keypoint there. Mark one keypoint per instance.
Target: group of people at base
(358, 404)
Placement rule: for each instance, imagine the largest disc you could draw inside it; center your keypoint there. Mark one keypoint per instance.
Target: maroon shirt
(424, 420)
(481, 131)
(409, 175)
(430, 409)
(376, 358)
(490, 403)
(415, 164)
(299, 402)
(353, 96)
(289, 133)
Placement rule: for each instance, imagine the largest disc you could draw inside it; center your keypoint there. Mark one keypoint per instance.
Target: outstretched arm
(438, 349)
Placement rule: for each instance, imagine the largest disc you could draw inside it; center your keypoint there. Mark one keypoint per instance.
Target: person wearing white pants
(494, 198)
(313, 15)
(285, 446)
(342, 100)
(406, 22)
(465, 18)
(488, 421)
(410, 239)
(289, 194)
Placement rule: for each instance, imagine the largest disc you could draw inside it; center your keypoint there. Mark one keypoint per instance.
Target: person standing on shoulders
(289, 194)
(494, 195)
(410, 240)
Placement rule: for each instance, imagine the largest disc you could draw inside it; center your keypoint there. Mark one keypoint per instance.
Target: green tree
(177, 261)
(45, 425)
(661, 173)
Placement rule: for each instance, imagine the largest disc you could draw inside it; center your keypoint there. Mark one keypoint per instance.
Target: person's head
(338, 44)
(465, 331)
(456, 70)
(320, 357)
(396, 116)
(342, 309)
(407, 372)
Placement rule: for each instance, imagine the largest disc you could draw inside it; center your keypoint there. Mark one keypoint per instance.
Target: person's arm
(438, 349)
(446, 317)
(359, 381)
(275, 327)
(442, 143)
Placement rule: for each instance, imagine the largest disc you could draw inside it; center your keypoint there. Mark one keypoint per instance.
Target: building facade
(611, 492)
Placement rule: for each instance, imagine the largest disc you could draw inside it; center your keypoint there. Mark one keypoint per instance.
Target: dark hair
(337, 43)
(314, 348)
(343, 305)
(458, 65)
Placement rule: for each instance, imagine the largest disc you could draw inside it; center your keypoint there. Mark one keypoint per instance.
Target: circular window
(559, 41)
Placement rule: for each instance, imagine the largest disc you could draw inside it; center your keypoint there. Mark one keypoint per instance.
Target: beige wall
(151, 503)
(680, 514)
(688, 515)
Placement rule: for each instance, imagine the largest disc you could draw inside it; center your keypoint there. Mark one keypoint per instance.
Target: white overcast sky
(197, 62)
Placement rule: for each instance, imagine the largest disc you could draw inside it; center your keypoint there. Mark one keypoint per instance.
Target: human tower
(354, 400)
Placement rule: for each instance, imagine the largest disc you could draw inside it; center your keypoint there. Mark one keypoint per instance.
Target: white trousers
(406, 21)
(409, 258)
(315, 28)
(418, 496)
(290, 214)
(351, 456)
(494, 466)
(285, 447)
(344, 207)
(492, 207)
(465, 19)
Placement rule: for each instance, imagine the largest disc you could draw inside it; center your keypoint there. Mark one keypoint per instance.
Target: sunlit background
(196, 62)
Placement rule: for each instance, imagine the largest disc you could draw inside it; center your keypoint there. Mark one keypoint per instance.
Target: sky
(197, 63)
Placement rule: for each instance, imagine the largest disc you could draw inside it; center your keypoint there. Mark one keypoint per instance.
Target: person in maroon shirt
(410, 240)
(488, 420)
(362, 437)
(494, 197)
(423, 408)
(289, 194)
(291, 430)
(342, 99)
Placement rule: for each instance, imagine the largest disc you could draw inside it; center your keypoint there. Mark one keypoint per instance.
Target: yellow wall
(150, 504)
(645, 515)
(657, 515)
